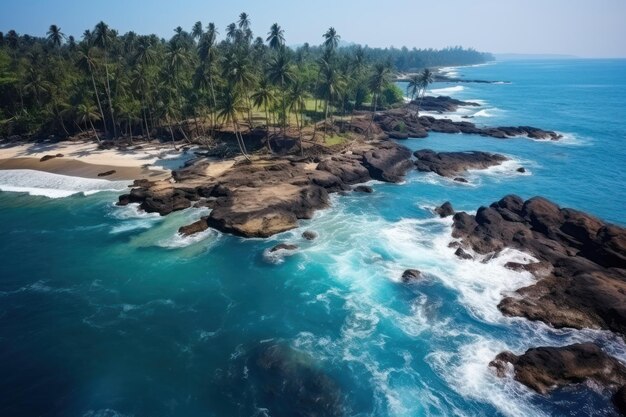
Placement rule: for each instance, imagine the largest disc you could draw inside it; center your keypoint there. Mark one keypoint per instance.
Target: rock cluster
(403, 123)
(269, 196)
(582, 261)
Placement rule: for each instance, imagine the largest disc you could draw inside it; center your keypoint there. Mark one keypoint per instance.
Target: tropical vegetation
(197, 85)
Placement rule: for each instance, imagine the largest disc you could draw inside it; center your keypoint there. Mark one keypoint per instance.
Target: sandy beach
(85, 159)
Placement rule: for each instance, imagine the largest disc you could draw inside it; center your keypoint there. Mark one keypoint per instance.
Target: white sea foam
(50, 185)
(181, 241)
(468, 373)
(447, 90)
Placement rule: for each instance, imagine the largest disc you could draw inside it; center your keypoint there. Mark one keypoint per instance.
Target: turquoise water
(105, 311)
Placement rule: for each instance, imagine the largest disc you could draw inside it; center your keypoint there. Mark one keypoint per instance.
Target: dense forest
(108, 85)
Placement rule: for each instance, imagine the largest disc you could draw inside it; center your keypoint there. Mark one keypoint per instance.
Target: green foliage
(391, 95)
(129, 84)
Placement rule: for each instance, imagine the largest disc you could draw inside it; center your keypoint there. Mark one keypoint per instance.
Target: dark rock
(107, 173)
(619, 400)
(460, 179)
(521, 170)
(363, 189)
(441, 104)
(288, 382)
(284, 246)
(449, 164)
(462, 254)
(309, 235)
(445, 209)
(544, 369)
(411, 275)
(193, 228)
(49, 157)
(581, 268)
(387, 162)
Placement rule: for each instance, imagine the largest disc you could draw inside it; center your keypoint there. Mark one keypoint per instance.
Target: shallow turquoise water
(104, 311)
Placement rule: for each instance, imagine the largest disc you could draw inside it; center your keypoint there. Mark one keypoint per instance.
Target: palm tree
(86, 61)
(86, 113)
(102, 37)
(244, 21)
(331, 39)
(280, 73)
(229, 106)
(196, 31)
(264, 97)
(425, 79)
(379, 79)
(297, 103)
(55, 36)
(332, 83)
(207, 52)
(276, 37)
(414, 87)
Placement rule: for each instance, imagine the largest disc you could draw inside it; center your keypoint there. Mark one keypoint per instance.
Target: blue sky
(589, 28)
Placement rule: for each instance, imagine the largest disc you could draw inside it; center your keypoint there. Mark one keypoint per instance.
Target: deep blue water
(105, 311)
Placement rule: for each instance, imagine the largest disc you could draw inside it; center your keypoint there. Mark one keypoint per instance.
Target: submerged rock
(309, 235)
(445, 209)
(521, 170)
(450, 164)
(411, 275)
(363, 189)
(290, 383)
(284, 246)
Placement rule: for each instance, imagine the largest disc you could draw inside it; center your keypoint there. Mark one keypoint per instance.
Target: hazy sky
(589, 28)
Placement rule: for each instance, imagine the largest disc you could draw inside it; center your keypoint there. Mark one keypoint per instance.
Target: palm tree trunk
(95, 89)
(267, 128)
(94, 131)
(108, 92)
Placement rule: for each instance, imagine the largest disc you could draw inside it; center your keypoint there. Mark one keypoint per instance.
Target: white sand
(87, 152)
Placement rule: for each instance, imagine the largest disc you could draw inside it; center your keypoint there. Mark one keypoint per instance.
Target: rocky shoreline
(404, 123)
(581, 272)
(453, 164)
(269, 195)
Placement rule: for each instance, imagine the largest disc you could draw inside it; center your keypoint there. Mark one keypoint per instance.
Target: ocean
(105, 311)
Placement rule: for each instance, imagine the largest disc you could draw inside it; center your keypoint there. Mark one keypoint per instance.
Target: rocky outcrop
(441, 104)
(195, 227)
(545, 369)
(269, 196)
(404, 123)
(450, 164)
(582, 261)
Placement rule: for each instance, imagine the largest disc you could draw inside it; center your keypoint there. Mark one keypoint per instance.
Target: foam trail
(447, 90)
(39, 183)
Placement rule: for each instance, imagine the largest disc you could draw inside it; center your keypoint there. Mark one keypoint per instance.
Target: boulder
(309, 235)
(445, 209)
(411, 275)
(193, 228)
(544, 369)
(363, 189)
